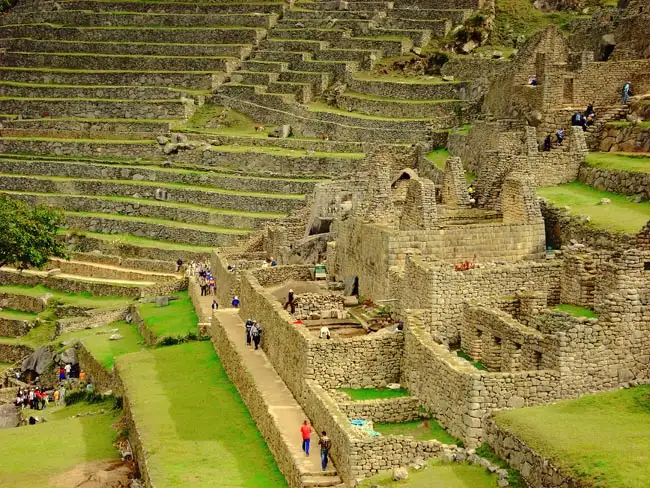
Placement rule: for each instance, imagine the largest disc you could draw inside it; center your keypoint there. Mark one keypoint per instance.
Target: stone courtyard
(438, 254)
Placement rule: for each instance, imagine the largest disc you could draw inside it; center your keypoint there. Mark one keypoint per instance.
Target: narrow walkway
(286, 411)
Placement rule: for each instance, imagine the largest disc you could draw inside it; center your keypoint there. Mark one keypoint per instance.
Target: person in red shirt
(305, 430)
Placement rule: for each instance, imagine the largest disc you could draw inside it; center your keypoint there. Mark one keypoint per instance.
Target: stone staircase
(610, 114)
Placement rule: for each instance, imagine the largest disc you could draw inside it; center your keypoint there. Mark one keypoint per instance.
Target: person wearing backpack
(325, 445)
(256, 334)
(249, 326)
(627, 92)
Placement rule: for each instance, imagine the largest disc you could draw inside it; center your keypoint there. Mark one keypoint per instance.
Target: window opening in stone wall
(517, 346)
(496, 353)
(567, 94)
(646, 266)
(606, 51)
(537, 359)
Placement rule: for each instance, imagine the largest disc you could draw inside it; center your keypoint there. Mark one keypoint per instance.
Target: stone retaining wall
(10, 353)
(26, 303)
(537, 471)
(92, 319)
(15, 327)
(624, 182)
(389, 410)
(275, 275)
(234, 365)
(624, 138)
(150, 339)
(102, 379)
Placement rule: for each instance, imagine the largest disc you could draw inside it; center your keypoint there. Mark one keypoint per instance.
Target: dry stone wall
(389, 410)
(623, 182)
(25, 303)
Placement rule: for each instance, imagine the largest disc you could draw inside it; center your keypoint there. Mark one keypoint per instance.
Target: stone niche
(319, 306)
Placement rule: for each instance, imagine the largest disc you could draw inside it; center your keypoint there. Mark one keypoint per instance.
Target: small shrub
(85, 396)
(170, 341)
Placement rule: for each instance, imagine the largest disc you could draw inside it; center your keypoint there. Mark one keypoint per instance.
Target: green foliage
(360, 394)
(28, 234)
(514, 478)
(421, 430)
(7, 4)
(601, 440)
(634, 163)
(576, 311)
(87, 396)
(477, 364)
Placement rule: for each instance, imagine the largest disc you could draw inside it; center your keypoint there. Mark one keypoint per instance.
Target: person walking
(290, 302)
(627, 92)
(235, 302)
(325, 445)
(305, 431)
(68, 368)
(256, 334)
(215, 306)
(249, 326)
(179, 264)
(61, 373)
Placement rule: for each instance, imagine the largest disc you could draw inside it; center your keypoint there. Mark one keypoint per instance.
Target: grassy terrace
(576, 311)
(33, 456)
(401, 78)
(437, 475)
(621, 215)
(602, 440)
(7, 313)
(421, 430)
(360, 394)
(189, 446)
(179, 91)
(438, 157)
(76, 299)
(131, 240)
(107, 71)
(175, 320)
(376, 98)
(104, 350)
(634, 163)
(318, 107)
(77, 159)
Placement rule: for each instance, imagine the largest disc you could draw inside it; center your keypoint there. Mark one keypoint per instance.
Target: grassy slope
(32, 455)
(602, 439)
(619, 216)
(104, 350)
(419, 429)
(438, 475)
(176, 319)
(214, 445)
(358, 394)
(637, 163)
(438, 157)
(576, 311)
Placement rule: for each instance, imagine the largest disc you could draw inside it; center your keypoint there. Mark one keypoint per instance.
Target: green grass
(437, 475)
(634, 163)
(464, 130)
(514, 478)
(438, 157)
(84, 299)
(62, 412)
(319, 107)
(624, 123)
(602, 440)
(421, 430)
(576, 311)
(132, 240)
(477, 364)
(376, 98)
(81, 141)
(104, 350)
(33, 455)
(360, 394)
(176, 319)
(402, 78)
(621, 215)
(7, 313)
(194, 427)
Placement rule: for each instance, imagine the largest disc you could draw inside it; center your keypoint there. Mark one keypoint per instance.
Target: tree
(28, 234)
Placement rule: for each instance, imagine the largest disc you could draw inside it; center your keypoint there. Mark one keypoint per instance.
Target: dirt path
(97, 474)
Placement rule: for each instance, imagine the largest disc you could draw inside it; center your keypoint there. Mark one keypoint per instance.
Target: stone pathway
(286, 411)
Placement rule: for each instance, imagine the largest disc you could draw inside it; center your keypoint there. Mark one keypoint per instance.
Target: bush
(85, 396)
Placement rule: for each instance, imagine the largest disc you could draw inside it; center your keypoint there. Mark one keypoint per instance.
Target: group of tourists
(206, 280)
(38, 398)
(325, 443)
(584, 119)
(253, 333)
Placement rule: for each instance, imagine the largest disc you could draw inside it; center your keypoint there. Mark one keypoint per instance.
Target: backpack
(255, 332)
(326, 444)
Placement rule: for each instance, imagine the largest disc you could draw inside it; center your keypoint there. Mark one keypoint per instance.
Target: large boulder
(38, 360)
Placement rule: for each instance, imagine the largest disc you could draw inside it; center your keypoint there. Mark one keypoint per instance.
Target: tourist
(249, 325)
(203, 286)
(590, 110)
(62, 395)
(532, 80)
(256, 334)
(305, 430)
(576, 119)
(215, 306)
(273, 262)
(213, 286)
(44, 399)
(61, 373)
(560, 135)
(56, 396)
(290, 303)
(583, 123)
(179, 264)
(68, 368)
(324, 332)
(627, 92)
(235, 302)
(547, 143)
(82, 376)
(325, 445)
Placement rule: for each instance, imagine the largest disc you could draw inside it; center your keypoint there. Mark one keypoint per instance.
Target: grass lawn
(438, 157)
(635, 163)
(603, 440)
(438, 475)
(576, 311)
(132, 240)
(176, 319)
(84, 299)
(193, 424)
(32, 455)
(421, 430)
(7, 313)
(104, 350)
(621, 215)
(360, 394)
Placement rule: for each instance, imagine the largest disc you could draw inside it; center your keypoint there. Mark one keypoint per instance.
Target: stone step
(35, 90)
(238, 51)
(154, 191)
(136, 207)
(166, 230)
(155, 6)
(319, 80)
(265, 66)
(175, 35)
(303, 92)
(445, 111)
(119, 62)
(80, 18)
(253, 77)
(80, 147)
(409, 89)
(149, 172)
(106, 271)
(320, 481)
(176, 79)
(97, 108)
